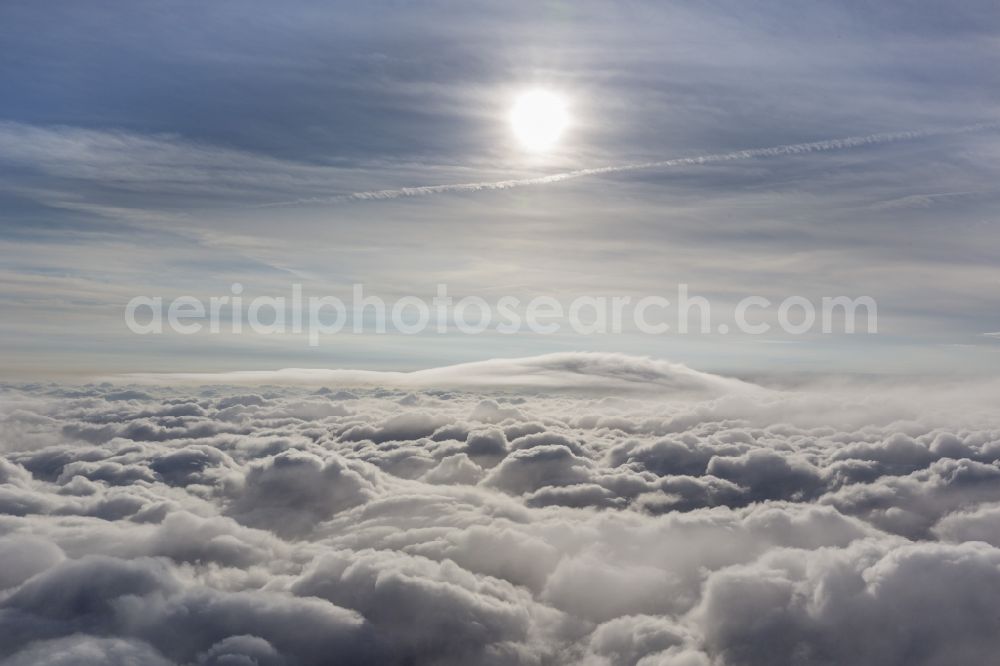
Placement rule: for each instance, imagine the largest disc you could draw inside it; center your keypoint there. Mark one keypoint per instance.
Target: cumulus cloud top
(577, 371)
(404, 524)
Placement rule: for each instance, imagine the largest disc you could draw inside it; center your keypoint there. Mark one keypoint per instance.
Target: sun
(538, 119)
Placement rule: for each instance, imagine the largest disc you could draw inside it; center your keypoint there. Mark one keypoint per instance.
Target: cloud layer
(299, 525)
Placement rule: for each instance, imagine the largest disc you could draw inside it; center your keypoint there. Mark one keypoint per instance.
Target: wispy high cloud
(751, 153)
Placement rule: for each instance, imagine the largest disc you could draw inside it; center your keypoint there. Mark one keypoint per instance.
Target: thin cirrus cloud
(147, 163)
(752, 153)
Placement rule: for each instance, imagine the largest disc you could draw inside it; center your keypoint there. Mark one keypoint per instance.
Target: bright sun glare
(538, 118)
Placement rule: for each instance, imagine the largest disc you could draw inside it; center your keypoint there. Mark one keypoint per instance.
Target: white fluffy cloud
(524, 524)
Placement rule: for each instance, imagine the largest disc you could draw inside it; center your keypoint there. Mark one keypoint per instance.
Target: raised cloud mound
(492, 513)
(576, 371)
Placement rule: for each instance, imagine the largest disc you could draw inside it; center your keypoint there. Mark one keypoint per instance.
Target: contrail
(752, 153)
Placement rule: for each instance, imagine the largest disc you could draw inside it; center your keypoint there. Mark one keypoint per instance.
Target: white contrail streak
(752, 153)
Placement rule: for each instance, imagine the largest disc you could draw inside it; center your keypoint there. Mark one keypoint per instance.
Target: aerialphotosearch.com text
(317, 317)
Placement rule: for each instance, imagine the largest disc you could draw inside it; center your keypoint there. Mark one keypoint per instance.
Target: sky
(174, 149)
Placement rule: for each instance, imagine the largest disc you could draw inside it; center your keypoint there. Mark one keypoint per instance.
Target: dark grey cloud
(86, 650)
